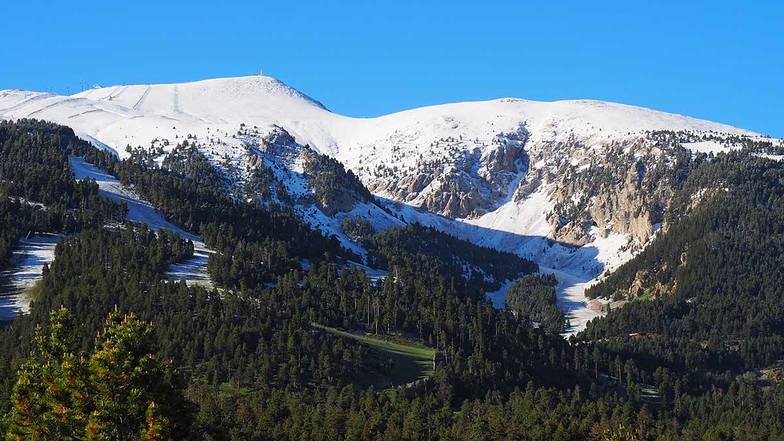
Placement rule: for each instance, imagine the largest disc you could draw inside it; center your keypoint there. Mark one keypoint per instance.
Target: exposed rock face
(594, 186)
(279, 142)
(623, 187)
(280, 171)
(468, 180)
(334, 189)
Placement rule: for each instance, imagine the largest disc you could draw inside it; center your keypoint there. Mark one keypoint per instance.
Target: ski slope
(193, 270)
(23, 271)
(28, 259)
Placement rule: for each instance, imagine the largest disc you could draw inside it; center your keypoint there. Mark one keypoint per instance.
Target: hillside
(578, 186)
(291, 330)
(707, 293)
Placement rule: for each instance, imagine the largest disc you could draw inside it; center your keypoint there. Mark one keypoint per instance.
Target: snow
(109, 187)
(23, 271)
(571, 298)
(121, 115)
(498, 297)
(573, 281)
(771, 157)
(527, 217)
(708, 147)
(374, 275)
(193, 270)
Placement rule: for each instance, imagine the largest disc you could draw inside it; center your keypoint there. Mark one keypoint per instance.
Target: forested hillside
(254, 359)
(709, 293)
(428, 248)
(37, 189)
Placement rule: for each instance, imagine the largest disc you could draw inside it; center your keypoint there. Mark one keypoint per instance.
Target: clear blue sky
(721, 60)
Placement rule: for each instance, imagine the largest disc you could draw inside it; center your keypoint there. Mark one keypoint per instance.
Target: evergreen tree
(121, 392)
(48, 399)
(132, 394)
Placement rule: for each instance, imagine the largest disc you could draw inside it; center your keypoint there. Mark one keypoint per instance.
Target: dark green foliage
(186, 161)
(49, 399)
(335, 188)
(425, 306)
(532, 413)
(262, 184)
(720, 302)
(532, 298)
(357, 229)
(428, 249)
(120, 391)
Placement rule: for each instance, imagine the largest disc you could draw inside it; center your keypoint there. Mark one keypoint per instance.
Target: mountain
(382, 329)
(578, 186)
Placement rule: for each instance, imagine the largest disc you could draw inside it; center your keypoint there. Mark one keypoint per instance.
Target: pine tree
(49, 400)
(132, 396)
(121, 392)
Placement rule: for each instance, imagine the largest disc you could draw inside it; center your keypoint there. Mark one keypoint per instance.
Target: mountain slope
(534, 178)
(707, 293)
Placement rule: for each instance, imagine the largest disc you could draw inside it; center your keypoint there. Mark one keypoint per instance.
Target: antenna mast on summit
(261, 72)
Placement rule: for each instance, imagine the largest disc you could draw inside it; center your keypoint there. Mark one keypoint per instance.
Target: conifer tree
(132, 397)
(121, 392)
(48, 400)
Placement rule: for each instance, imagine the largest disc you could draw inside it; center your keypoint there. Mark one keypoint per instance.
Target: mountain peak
(249, 90)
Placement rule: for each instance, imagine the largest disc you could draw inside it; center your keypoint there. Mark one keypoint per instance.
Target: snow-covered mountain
(137, 115)
(518, 175)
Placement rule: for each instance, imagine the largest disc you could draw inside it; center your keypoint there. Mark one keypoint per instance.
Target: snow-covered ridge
(137, 114)
(454, 159)
(144, 96)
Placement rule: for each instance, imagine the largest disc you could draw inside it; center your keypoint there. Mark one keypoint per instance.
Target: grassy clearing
(400, 363)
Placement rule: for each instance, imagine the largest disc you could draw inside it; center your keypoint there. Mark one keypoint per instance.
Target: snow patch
(23, 271)
(709, 147)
